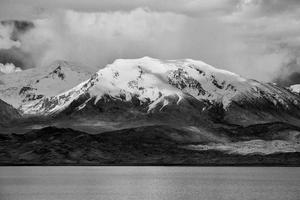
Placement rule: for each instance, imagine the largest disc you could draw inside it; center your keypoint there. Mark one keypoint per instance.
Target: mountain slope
(150, 145)
(149, 86)
(7, 113)
(21, 87)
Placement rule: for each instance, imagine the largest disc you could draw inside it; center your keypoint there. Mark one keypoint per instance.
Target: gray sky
(258, 39)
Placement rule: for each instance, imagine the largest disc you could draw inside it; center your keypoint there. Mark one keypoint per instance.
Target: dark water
(171, 183)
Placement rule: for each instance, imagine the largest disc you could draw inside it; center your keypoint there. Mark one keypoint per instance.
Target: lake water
(170, 183)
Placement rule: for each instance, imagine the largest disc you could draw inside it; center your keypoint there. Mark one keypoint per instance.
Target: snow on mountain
(295, 88)
(151, 80)
(35, 83)
(159, 83)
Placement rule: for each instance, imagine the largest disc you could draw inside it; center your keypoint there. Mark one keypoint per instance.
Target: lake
(138, 183)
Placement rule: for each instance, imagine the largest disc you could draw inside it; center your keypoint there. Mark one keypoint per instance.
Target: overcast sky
(259, 39)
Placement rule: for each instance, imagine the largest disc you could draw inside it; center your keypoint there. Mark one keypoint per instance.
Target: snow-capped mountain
(24, 86)
(152, 81)
(197, 106)
(150, 85)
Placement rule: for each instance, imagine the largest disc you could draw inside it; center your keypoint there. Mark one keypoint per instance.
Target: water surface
(137, 183)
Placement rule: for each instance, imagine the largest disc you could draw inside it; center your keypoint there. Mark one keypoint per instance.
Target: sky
(258, 39)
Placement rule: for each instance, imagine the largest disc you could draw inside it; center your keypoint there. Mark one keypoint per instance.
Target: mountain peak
(161, 66)
(157, 82)
(148, 85)
(35, 83)
(63, 64)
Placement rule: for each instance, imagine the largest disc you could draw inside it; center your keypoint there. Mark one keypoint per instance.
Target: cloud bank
(9, 68)
(98, 38)
(255, 38)
(5, 40)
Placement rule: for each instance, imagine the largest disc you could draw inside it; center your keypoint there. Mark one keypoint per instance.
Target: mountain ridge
(31, 84)
(150, 85)
(147, 112)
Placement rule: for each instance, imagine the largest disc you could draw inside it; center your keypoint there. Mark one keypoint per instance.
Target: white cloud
(9, 68)
(271, 32)
(98, 38)
(254, 38)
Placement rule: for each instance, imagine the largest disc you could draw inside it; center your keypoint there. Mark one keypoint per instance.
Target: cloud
(290, 73)
(28, 9)
(263, 8)
(5, 37)
(270, 29)
(98, 38)
(255, 38)
(17, 57)
(10, 44)
(9, 68)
